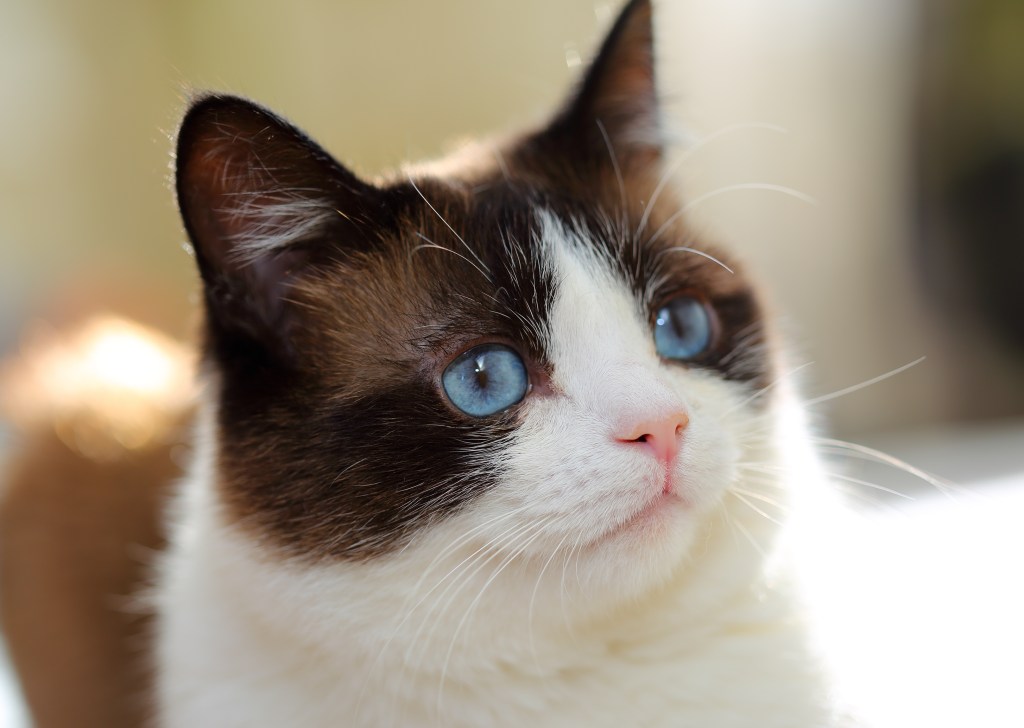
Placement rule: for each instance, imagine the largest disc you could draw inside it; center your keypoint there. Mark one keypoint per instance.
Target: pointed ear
(617, 98)
(261, 204)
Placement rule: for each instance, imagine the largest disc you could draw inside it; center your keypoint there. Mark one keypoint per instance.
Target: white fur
(527, 608)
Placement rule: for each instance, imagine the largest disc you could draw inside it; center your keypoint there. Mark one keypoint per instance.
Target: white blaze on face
(582, 472)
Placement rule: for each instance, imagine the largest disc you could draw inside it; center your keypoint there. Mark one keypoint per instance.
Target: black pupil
(677, 320)
(481, 373)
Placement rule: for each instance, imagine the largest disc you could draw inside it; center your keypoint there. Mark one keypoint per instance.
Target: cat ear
(261, 204)
(617, 103)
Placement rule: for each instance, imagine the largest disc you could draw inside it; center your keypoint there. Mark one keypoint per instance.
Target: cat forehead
(465, 262)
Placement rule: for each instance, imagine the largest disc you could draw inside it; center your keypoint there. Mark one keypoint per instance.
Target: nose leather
(659, 433)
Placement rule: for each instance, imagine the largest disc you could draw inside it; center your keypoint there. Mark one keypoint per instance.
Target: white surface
(921, 606)
(12, 712)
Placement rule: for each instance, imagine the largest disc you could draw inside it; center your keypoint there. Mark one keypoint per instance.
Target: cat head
(524, 349)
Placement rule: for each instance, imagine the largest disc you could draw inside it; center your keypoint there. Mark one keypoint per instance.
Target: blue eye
(682, 329)
(486, 380)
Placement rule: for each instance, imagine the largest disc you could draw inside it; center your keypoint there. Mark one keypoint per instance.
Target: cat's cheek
(707, 465)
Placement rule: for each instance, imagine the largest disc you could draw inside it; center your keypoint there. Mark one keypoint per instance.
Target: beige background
(814, 96)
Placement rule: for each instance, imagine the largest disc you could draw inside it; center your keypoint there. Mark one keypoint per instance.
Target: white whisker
(862, 385)
(729, 129)
(746, 534)
(768, 387)
(536, 530)
(533, 596)
(701, 253)
(761, 497)
(730, 188)
(618, 177)
(743, 499)
(666, 177)
(943, 486)
(439, 217)
(432, 245)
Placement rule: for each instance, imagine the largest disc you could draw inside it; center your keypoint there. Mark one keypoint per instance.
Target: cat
(481, 442)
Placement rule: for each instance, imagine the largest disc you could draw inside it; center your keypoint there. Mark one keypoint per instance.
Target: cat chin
(650, 528)
(571, 577)
(642, 554)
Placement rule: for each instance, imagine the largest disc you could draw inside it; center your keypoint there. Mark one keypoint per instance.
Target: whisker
(618, 178)
(869, 484)
(768, 387)
(432, 245)
(746, 534)
(730, 188)
(577, 545)
(439, 217)
(493, 546)
(408, 611)
(943, 486)
(482, 556)
(666, 176)
(753, 507)
(671, 169)
(537, 531)
(767, 186)
(473, 561)
(701, 253)
(729, 129)
(869, 498)
(862, 385)
(533, 597)
(761, 497)
(771, 469)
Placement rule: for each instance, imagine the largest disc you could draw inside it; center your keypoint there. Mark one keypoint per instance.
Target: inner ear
(261, 202)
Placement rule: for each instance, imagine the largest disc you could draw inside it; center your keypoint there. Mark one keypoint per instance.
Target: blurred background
(903, 121)
(866, 157)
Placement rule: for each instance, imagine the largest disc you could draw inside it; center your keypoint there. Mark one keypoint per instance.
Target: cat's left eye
(683, 329)
(486, 380)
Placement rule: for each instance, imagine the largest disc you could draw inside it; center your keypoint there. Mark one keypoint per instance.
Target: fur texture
(352, 549)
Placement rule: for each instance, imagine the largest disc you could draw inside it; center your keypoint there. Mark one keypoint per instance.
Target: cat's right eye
(683, 329)
(486, 380)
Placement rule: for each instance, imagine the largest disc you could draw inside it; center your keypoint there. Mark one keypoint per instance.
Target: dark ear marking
(618, 96)
(261, 201)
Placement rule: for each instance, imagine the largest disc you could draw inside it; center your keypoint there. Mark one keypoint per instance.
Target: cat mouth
(651, 517)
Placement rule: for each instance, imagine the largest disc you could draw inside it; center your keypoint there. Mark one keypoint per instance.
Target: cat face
(525, 348)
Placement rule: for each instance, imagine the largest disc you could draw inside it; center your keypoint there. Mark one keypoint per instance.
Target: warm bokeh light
(108, 386)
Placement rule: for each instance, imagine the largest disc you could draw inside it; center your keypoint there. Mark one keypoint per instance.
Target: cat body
(487, 443)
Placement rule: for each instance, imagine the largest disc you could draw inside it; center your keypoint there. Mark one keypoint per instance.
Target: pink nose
(660, 434)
